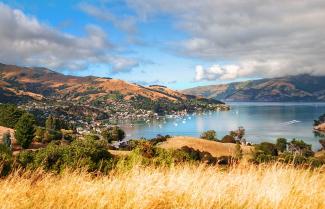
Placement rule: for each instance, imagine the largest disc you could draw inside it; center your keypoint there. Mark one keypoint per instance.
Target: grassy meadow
(183, 186)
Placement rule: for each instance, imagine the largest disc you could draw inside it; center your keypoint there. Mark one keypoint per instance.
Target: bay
(262, 121)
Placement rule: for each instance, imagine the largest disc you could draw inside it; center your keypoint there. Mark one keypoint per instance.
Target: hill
(299, 88)
(216, 149)
(43, 92)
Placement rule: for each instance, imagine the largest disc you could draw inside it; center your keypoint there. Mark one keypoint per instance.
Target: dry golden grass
(216, 149)
(272, 186)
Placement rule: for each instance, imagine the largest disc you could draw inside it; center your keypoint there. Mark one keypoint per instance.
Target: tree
(238, 152)
(6, 139)
(51, 135)
(239, 133)
(209, 135)
(39, 134)
(49, 123)
(9, 115)
(228, 139)
(300, 147)
(267, 148)
(281, 144)
(322, 142)
(25, 129)
(320, 120)
(114, 133)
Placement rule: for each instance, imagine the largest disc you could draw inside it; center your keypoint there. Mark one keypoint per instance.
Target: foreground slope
(284, 89)
(244, 187)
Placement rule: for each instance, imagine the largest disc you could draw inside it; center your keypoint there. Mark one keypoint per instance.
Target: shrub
(5, 160)
(209, 135)
(6, 139)
(89, 154)
(228, 139)
(260, 157)
(267, 148)
(52, 135)
(197, 155)
(25, 129)
(281, 144)
(299, 147)
(114, 133)
(159, 139)
(68, 135)
(39, 134)
(239, 133)
(322, 142)
(265, 152)
(25, 159)
(92, 137)
(238, 152)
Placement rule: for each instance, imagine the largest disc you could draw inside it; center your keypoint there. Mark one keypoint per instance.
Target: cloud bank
(259, 38)
(26, 41)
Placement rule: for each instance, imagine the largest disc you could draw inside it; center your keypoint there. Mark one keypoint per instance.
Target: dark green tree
(25, 129)
(114, 133)
(228, 139)
(300, 147)
(281, 144)
(6, 139)
(39, 134)
(209, 135)
(49, 123)
(9, 115)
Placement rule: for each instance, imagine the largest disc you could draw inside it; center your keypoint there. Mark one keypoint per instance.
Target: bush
(159, 139)
(197, 155)
(209, 135)
(228, 139)
(267, 148)
(238, 152)
(39, 134)
(89, 154)
(299, 147)
(322, 142)
(52, 135)
(281, 144)
(5, 160)
(25, 129)
(25, 159)
(92, 137)
(114, 133)
(6, 140)
(260, 157)
(265, 152)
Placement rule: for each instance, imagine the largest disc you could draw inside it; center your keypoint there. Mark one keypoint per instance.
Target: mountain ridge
(76, 98)
(297, 88)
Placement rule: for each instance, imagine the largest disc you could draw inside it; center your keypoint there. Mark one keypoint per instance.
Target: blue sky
(178, 43)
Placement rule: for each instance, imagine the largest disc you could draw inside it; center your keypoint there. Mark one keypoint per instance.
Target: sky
(177, 43)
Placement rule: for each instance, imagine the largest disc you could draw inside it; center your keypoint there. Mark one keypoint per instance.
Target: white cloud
(263, 38)
(125, 23)
(26, 41)
(227, 72)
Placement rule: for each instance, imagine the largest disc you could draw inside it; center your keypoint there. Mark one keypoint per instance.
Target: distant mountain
(299, 88)
(48, 92)
(21, 83)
